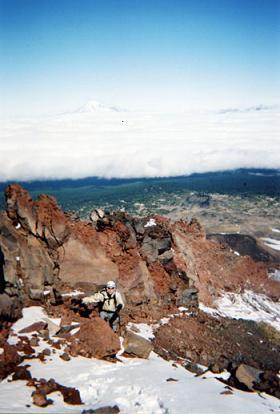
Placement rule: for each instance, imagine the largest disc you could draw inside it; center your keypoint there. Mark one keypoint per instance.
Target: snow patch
(275, 230)
(73, 293)
(142, 329)
(147, 331)
(272, 243)
(29, 316)
(184, 311)
(151, 223)
(75, 330)
(247, 305)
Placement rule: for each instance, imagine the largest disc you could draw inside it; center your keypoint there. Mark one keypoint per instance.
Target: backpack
(106, 298)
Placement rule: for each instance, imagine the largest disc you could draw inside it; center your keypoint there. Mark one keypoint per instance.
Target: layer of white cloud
(110, 143)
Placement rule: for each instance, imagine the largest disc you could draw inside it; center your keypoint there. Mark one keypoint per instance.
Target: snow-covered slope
(247, 305)
(152, 386)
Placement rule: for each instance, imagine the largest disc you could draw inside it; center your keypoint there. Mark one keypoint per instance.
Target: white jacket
(108, 303)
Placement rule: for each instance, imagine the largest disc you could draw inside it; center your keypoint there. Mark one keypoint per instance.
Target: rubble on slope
(158, 265)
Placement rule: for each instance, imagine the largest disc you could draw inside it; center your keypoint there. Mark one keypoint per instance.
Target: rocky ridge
(158, 264)
(153, 261)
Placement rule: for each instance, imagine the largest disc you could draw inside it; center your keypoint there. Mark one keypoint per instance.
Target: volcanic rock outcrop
(154, 261)
(158, 264)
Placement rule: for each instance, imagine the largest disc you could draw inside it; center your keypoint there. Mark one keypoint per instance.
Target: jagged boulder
(42, 218)
(136, 345)
(247, 375)
(95, 339)
(34, 327)
(19, 207)
(9, 359)
(149, 249)
(138, 225)
(155, 242)
(36, 294)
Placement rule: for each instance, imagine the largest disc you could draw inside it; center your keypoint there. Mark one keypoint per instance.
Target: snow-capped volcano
(95, 106)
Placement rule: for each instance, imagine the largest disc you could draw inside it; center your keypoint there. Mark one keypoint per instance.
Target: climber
(110, 303)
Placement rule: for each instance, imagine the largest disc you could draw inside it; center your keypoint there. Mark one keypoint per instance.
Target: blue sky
(154, 55)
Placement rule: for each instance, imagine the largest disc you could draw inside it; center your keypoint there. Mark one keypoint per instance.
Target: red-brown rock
(40, 399)
(96, 339)
(147, 262)
(42, 218)
(213, 268)
(36, 326)
(43, 388)
(21, 373)
(9, 359)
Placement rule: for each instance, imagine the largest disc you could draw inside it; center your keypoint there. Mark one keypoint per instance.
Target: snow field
(137, 386)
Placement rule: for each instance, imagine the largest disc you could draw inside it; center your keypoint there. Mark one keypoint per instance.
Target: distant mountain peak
(93, 106)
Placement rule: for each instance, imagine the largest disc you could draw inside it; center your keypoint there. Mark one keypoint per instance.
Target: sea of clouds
(108, 142)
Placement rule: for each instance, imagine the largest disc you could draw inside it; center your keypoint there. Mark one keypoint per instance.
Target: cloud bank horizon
(109, 142)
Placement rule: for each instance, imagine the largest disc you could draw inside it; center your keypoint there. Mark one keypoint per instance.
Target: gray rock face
(246, 246)
(10, 250)
(139, 228)
(189, 297)
(151, 247)
(25, 261)
(10, 308)
(137, 345)
(165, 257)
(36, 264)
(36, 294)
